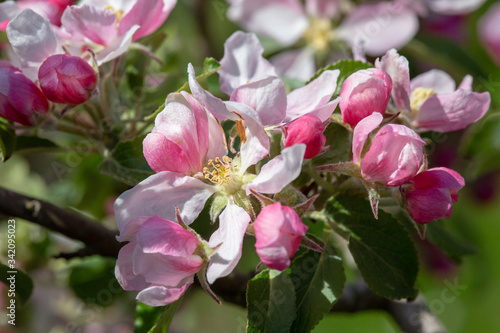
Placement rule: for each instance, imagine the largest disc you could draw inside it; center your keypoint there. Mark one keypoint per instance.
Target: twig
(97, 239)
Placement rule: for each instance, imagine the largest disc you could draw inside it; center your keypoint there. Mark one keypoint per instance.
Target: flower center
(319, 34)
(419, 96)
(224, 173)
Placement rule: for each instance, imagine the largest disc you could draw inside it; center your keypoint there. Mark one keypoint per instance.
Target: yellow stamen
(118, 13)
(319, 34)
(419, 96)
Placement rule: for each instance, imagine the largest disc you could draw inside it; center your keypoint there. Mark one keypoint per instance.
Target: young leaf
(210, 67)
(271, 303)
(33, 143)
(23, 283)
(382, 249)
(146, 316)
(7, 142)
(346, 67)
(163, 324)
(127, 163)
(319, 280)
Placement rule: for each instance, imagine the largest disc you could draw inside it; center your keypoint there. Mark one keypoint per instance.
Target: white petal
(159, 194)
(8, 10)
(32, 37)
(441, 82)
(280, 171)
(117, 47)
(233, 221)
(295, 64)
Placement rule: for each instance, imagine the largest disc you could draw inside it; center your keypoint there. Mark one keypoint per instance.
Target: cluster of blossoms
(190, 154)
(57, 48)
(320, 26)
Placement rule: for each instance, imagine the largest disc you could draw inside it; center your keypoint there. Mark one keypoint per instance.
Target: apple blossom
(278, 230)
(20, 98)
(364, 92)
(159, 261)
(308, 130)
(430, 194)
(195, 180)
(67, 79)
(51, 9)
(430, 101)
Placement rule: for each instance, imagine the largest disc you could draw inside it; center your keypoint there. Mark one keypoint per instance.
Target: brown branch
(97, 239)
(414, 317)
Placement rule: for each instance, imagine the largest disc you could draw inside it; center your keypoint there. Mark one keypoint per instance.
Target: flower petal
(160, 295)
(427, 205)
(361, 133)
(242, 62)
(441, 82)
(398, 69)
(295, 64)
(159, 194)
(451, 112)
(280, 171)
(266, 96)
(438, 178)
(124, 269)
(32, 38)
(116, 47)
(233, 221)
(281, 20)
(381, 26)
(312, 97)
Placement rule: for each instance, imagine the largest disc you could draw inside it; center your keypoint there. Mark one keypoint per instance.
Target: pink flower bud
(159, 260)
(394, 156)
(430, 194)
(278, 230)
(20, 98)
(308, 130)
(363, 93)
(67, 79)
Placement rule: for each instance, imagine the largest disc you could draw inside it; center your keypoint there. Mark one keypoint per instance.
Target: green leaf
(23, 283)
(7, 142)
(382, 249)
(319, 280)
(338, 138)
(92, 279)
(163, 324)
(450, 244)
(33, 143)
(346, 67)
(146, 316)
(127, 163)
(271, 303)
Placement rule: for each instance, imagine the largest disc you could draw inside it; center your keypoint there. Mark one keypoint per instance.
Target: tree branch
(414, 317)
(97, 239)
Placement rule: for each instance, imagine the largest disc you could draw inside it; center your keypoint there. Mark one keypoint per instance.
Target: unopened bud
(308, 130)
(67, 79)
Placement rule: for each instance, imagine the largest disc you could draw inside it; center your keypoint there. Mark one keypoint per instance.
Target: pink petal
(323, 8)
(381, 26)
(361, 133)
(160, 295)
(394, 157)
(427, 205)
(159, 194)
(242, 62)
(124, 269)
(266, 96)
(280, 171)
(398, 69)
(363, 93)
(213, 104)
(281, 20)
(233, 223)
(164, 155)
(438, 178)
(148, 14)
(455, 7)
(441, 82)
(451, 112)
(307, 130)
(312, 97)
(130, 229)
(295, 64)
(89, 23)
(278, 230)
(116, 47)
